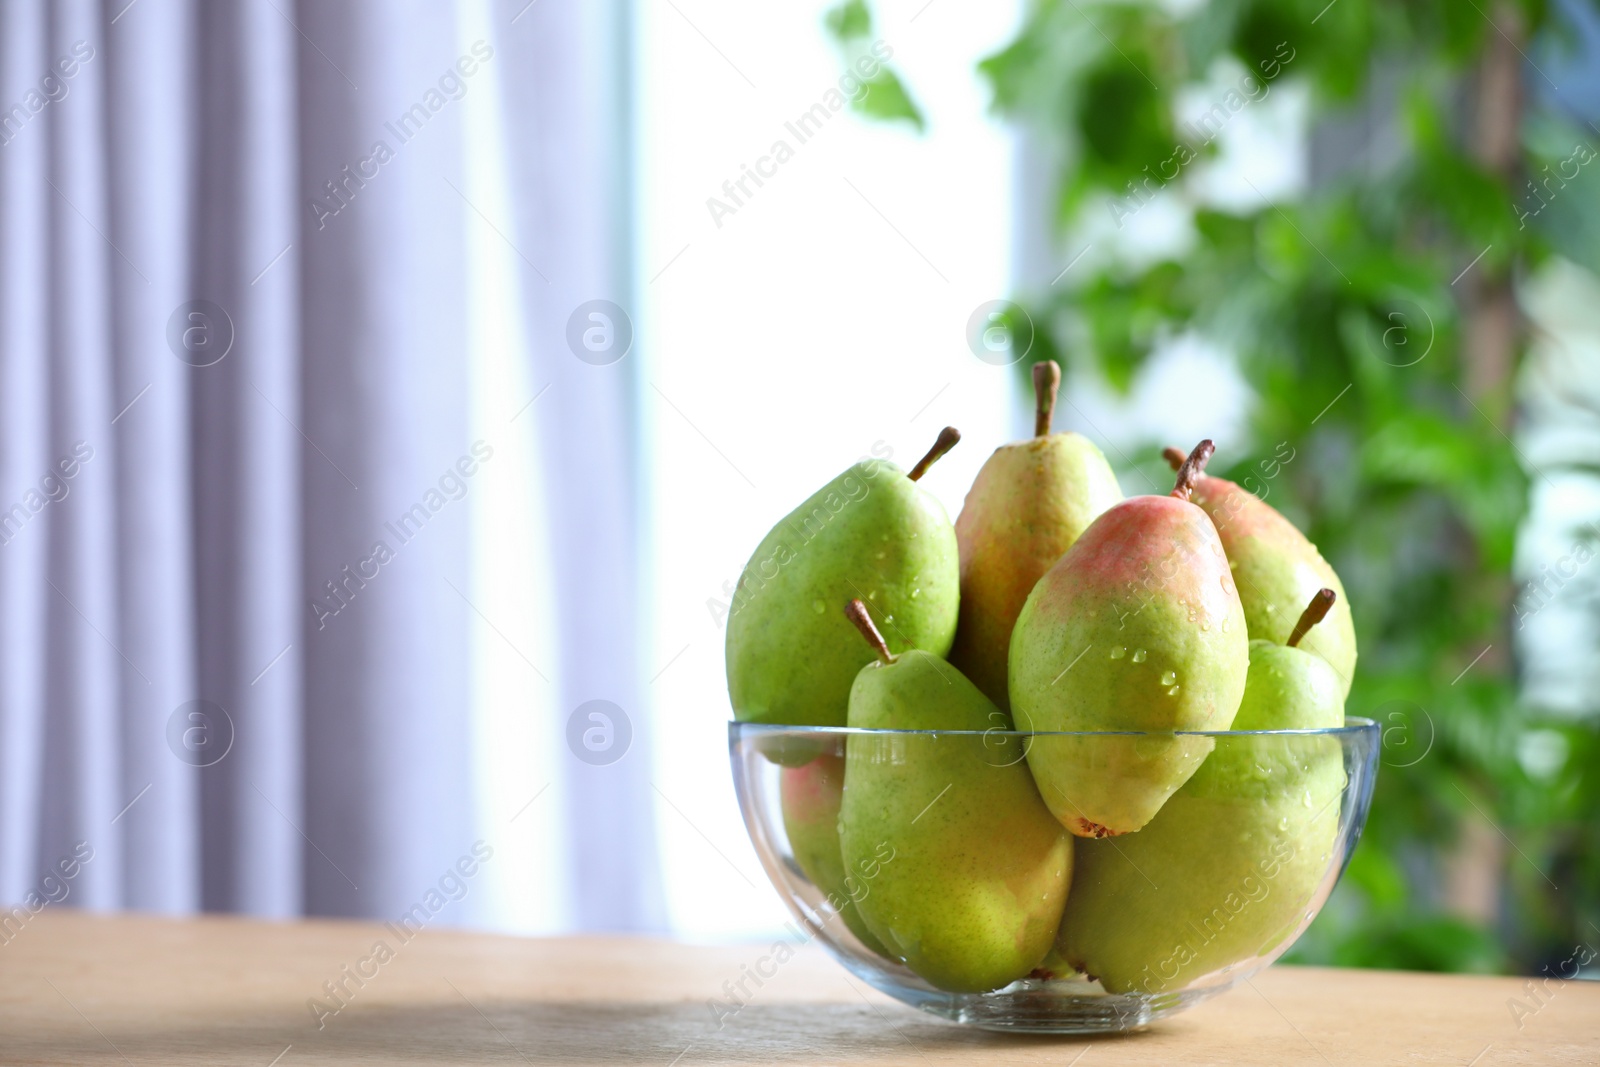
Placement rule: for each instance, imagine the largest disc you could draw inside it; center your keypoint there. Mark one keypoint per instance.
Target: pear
(1230, 867)
(1027, 506)
(962, 870)
(871, 533)
(811, 795)
(1138, 627)
(1277, 569)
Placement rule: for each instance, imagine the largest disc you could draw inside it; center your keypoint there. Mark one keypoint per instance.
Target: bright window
(828, 312)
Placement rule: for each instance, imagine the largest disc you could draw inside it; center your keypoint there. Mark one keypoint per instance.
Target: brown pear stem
(1046, 380)
(947, 440)
(1191, 469)
(856, 612)
(1315, 612)
(1173, 456)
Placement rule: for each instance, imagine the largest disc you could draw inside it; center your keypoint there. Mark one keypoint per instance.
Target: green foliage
(1429, 943)
(883, 95)
(1563, 184)
(849, 21)
(1341, 306)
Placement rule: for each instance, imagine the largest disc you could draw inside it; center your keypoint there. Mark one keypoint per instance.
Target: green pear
(1027, 506)
(1137, 627)
(1229, 869)
(962, 870)
(1277, 569)
(871, 533)
(811, 795)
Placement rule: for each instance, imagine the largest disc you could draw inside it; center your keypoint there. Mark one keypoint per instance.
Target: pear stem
(1315, 612)
(856, 612)
(947, 440)
(1046, 380)
(1190, 471)
(1173, 456)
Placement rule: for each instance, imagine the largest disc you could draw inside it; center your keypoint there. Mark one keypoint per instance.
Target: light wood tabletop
(82, 989)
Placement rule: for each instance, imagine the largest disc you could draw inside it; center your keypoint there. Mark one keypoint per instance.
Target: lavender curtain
(233, 355)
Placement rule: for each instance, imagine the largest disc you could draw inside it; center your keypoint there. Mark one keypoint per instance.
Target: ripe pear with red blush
(1029, 503)
(1138, 627)
(1278, 570)
(811, 795)
(1232, 865)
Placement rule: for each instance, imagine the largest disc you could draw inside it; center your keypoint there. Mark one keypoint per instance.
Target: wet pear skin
(970, 896)
(1229, 867)
(1137, 627)
(1277, 569)
(871, 533)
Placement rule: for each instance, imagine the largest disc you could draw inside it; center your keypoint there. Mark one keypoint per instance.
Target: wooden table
(79, 989)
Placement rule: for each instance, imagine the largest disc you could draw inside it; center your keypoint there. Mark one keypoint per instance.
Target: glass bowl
(1218, 884)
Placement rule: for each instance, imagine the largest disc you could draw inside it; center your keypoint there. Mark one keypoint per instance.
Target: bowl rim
(1353, 726)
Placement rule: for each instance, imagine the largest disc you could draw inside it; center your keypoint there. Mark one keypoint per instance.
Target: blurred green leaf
(884, 97)
(849, 20)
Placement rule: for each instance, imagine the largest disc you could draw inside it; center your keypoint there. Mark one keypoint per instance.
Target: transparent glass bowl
(1217, 885)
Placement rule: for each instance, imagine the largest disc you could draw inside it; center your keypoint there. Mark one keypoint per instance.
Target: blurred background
(390, 395)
